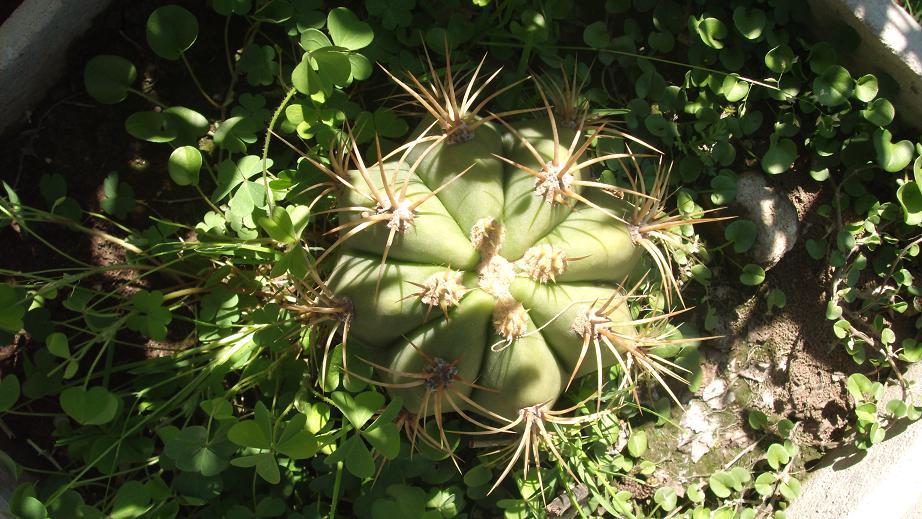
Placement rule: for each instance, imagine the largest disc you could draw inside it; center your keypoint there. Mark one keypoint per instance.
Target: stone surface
(33, 50)
(774, 215)
(891, 42)
(885, 482)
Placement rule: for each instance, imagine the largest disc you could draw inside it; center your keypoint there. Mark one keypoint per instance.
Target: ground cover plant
(454, 259)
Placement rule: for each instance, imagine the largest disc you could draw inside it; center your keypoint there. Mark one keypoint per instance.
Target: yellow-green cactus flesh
(475, 305)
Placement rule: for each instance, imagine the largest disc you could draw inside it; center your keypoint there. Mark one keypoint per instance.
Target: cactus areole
(483, 260)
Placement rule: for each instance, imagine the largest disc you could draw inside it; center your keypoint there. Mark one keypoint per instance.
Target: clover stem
(147, 97)
(265, 157)
(198, 84)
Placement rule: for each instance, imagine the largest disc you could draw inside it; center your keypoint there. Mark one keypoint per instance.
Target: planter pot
(34, 42)
(891, 42)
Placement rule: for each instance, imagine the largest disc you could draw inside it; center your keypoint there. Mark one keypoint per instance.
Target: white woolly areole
(588, 322)
(401, 215)
(510, 319)
(496, 277)
(543, 263)
(552, 186)
(444, 289)
(487, 236)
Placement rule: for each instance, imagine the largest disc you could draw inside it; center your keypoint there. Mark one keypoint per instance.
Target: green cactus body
(484, 288)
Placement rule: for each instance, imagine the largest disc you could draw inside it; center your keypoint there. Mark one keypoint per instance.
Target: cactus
(486, 267)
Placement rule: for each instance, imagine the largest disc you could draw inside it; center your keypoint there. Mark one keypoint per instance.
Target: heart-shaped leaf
(93, 406)
(9, 392)
(108, 79)
(749, 22)
(866, 88)
(833, 86)
(11, 309)
(879, 112)
(780, 155)
(171, 30)
(779, 59)
(296, 441)
(596, 35)
(910, 197)
(132, 500)
(892, 156)
(360, 409)
(256, 433)
(265, 463)
(151, 126)
(711, 31)
(359, 460)
(228, 7)
(752, 275)
(192, 451)
(742, 233)
(385, 438)
(313, 39)
(347, 30)
(184, 165)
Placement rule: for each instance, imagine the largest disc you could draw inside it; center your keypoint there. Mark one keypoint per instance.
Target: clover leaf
(171, 30)
(596, 35)
(150, 317)
(118, 197)
(193, 450)
(866, 88)
(93, 406)
(236, 133)
(231, 174)
(393, 13)
(347, 30)
(258, 63)
(284, 224)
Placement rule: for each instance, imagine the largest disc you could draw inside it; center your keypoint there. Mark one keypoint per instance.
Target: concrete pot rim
(34, 43)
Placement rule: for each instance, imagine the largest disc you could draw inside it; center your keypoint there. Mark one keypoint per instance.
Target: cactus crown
(506, 228)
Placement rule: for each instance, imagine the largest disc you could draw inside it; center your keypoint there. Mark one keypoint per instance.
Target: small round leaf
(171, 30)
(184, 165)
(109, 78)
(752, 275)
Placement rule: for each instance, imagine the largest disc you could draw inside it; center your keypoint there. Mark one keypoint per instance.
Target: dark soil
(789, 360)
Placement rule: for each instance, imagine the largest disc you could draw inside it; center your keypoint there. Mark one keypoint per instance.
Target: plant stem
(275, 117)
(336, 489)
(147, 97)
(198, 85)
